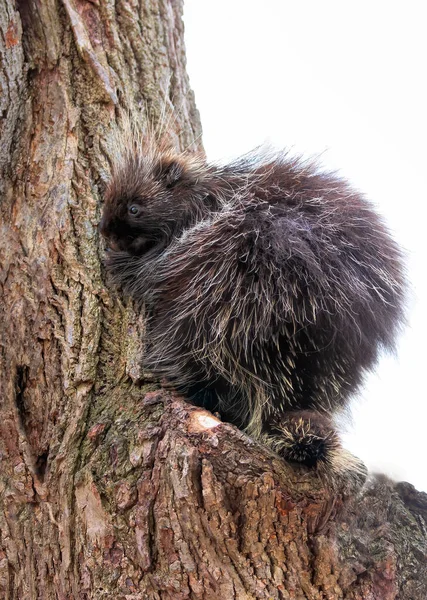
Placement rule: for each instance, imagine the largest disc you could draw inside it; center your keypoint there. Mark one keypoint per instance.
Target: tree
(110, 486)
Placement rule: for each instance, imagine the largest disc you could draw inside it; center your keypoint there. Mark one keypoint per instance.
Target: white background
(346, 80)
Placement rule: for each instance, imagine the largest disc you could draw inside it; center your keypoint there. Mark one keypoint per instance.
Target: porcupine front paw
(305, 436)
(310, 438)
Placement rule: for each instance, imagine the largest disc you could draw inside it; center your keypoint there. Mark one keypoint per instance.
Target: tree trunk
(109, 487)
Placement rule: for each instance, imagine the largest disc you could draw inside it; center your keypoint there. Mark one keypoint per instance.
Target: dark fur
(271, 286)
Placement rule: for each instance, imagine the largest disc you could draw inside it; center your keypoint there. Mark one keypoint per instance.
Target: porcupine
(270, 285)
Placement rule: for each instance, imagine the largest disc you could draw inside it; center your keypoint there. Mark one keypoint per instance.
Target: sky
(346, 81)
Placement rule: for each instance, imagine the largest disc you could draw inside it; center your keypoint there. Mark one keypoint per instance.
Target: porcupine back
(271, 286)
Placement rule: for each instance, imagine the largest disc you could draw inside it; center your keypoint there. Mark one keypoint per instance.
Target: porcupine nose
(111, 242)
(102, 227)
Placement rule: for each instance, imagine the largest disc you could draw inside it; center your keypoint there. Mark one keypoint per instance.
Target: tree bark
(109, 487)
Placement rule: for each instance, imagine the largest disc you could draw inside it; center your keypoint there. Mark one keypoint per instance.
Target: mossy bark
(109, 487)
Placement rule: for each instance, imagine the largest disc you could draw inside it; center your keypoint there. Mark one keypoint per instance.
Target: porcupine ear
(171, 173)
(173, 170)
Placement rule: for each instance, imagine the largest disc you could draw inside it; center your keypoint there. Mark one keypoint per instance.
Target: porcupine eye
(134, 210)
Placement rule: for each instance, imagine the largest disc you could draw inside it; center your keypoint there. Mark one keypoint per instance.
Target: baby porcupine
(270, 286)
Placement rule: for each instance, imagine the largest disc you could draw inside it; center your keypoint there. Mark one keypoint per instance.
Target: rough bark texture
(109, 488)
